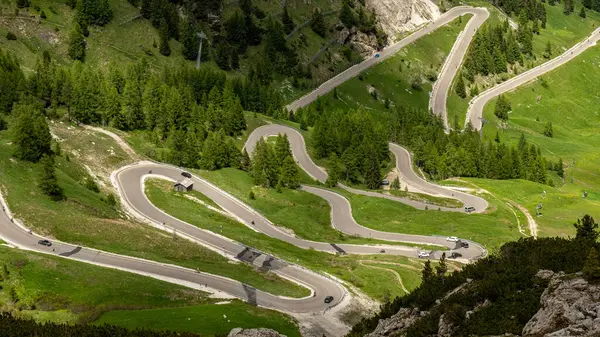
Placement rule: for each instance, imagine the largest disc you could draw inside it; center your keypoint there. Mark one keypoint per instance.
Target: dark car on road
(328, 299)
(45, 243)
(455, 255)
(186, 174)
(464, 244)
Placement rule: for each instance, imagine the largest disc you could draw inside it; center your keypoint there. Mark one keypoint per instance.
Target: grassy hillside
(569, 99)
(418, 63)
(48, 288)
(118, 42)
(86, 218)
(562, 31)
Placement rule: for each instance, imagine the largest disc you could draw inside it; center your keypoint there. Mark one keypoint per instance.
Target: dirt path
(398, 277)
(117, 139)
(530, 219)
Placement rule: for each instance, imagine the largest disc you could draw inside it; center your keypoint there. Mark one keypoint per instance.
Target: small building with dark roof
(184, 186)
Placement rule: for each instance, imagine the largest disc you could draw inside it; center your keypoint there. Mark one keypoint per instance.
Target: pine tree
(282, 149)
(290, 177)
(76, 44)
(548, 51)
(441, 269)
(535, 28)
(568, 6)
(587, 4)
(3, 124)
(587, 229)
(288, 22)
(427, 273)
(582, 12)
(560, 170)
(334, 174)
(317, 23)
(591, 269)
(263, 169)
(502, 108)
(459, 87)
(245, 162)
(189, 40)
(164, 47)
(48, 181)
(31, 134)
(132, 102)
(347, 15)
(395, 184)
(372, 173)
(236, 30)
(548, 132)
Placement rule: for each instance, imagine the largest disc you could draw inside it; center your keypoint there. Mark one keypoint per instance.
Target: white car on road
(452, 239)
(423, 255)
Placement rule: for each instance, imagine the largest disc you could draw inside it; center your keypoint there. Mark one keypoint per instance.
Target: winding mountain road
(475, 110)
(479, 16)
(129, 181)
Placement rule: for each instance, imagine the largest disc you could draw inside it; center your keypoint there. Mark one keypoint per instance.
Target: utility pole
(202, 36)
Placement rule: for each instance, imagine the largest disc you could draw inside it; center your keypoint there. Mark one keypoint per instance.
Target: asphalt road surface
(475, 111)
(439, 94)
(403, 163)
(480, 15)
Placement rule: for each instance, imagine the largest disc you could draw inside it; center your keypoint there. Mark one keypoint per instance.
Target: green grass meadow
(569, 98)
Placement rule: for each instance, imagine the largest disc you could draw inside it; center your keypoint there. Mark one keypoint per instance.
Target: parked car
(455, 255)
(464, 244)
(328, 299)
(377, 55)
(452, 239)
(45, 243)
(469, 209)
(385, 182)
(423, 255)
(382, 251)
(186, 174)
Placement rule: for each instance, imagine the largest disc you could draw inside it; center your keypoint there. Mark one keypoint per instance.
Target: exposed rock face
(239, 332)
(397, 16)
(400, 321)
(570, 307)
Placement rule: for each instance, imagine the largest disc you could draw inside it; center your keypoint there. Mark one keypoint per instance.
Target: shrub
(43, 15)
(251, 195)
(11, 36)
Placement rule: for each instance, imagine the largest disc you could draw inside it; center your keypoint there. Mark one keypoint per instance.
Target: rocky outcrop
(396, 16)
(239, 332)
(395, 324)
(570, 307)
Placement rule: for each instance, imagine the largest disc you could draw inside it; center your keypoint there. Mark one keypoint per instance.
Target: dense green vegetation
(505, 280)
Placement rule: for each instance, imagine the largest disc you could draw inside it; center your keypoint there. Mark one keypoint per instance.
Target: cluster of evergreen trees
(495, 47)
(505, 280)
(273, 166)
(193, 113)
(356, 145)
